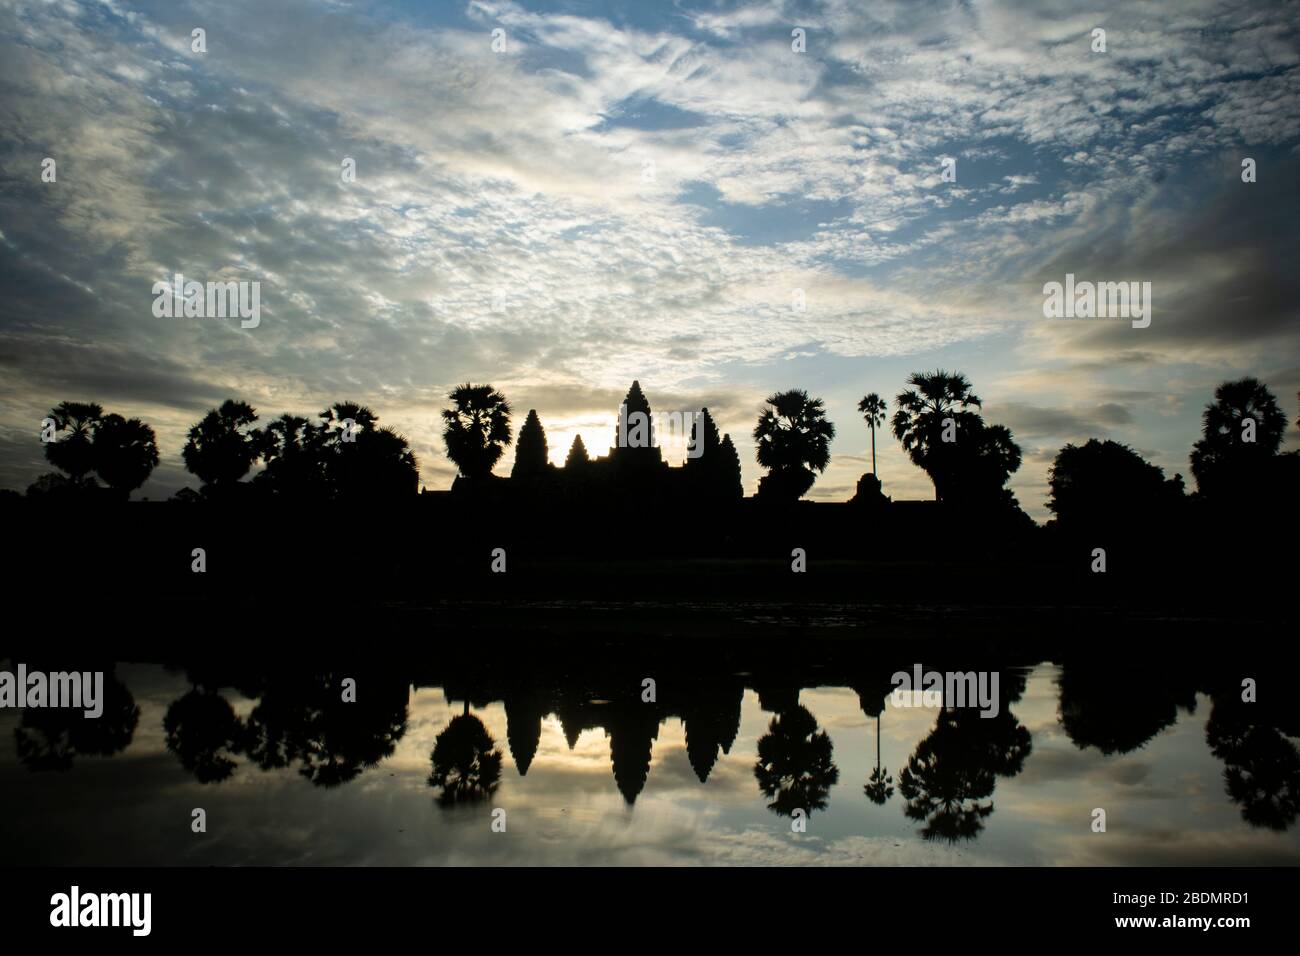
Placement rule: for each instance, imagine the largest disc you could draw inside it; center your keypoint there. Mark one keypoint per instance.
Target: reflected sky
(1166, 800)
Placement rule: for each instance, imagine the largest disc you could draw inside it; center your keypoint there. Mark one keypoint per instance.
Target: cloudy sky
(640, 190)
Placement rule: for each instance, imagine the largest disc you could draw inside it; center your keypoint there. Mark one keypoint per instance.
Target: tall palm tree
(918, 422)
(477, 429)
(880, 785)
(74, 453)
(873, 409)
(793, 439)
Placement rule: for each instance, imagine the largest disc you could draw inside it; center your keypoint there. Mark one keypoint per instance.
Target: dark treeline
(302, 719)
(336, 506)
(344, 453)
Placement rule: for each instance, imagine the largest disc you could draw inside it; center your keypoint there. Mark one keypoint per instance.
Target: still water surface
(287, 775)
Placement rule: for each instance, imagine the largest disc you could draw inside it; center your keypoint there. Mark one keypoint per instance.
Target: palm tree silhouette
(363, 461)
(74, 453)
(466, 763)
(1222, 460)
(292, 448)
(793, 440)
(125, 453)
(918, 422)
(477, 429)
(873, 408)
(221, 447)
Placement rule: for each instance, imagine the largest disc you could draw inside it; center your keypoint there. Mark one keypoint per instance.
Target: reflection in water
(949, 780)
(301, 720)
(871, 698)
(466, 763)
(1261, 766)
(719, 740)
(51, 738)
(1118, 717)
(794, 763)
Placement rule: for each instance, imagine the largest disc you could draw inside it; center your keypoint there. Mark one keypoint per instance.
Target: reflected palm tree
(794, 766)
(949, 780)
(466, 763)
(871, 692)
(880, 785)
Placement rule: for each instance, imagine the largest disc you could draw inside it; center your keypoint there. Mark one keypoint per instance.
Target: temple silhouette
(632, 469)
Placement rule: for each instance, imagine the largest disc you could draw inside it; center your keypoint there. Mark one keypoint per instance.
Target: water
(352, 786)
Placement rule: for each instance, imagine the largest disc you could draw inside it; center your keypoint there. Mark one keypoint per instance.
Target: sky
(602, 192)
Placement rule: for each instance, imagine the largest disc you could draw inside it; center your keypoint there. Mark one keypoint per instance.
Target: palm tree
(126, 453)
(872, 408)
(221, 447)
(74, 453)
(990, 461)
(477, 429)
(793, 440)
(292, 448)
(1221, 459)
(363, 460)
(919, 421)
